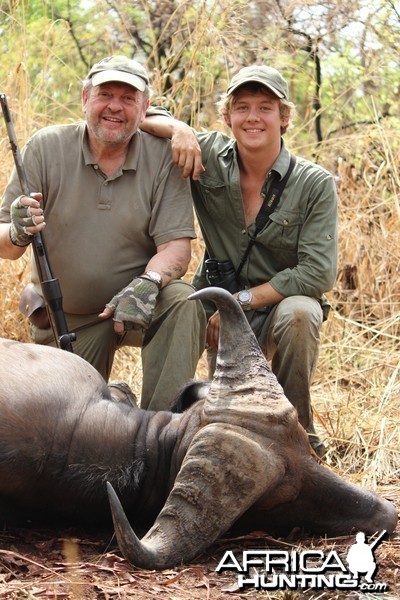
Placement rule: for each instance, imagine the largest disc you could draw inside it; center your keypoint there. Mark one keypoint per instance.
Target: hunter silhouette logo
(360, 557)
(308, 569)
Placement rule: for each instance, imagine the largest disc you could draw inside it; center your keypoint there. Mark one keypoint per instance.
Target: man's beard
(102, 134)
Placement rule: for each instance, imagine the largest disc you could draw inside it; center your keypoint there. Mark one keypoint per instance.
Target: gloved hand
(135, 303)
(21, 218)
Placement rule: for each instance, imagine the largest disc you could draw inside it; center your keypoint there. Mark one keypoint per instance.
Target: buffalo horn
(227, 466)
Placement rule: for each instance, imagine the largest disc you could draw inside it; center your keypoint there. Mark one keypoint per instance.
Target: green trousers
(171, 346)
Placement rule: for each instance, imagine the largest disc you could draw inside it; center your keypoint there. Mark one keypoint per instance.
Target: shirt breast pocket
(283, 230)
(214, 196)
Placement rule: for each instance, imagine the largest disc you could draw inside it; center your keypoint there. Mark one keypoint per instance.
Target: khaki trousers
(171, 346)
(289, 337)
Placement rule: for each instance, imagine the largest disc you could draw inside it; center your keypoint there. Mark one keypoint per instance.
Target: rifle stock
(50, 286)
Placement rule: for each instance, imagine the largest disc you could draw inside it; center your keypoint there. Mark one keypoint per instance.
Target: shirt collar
(280, 166)
(228, 149)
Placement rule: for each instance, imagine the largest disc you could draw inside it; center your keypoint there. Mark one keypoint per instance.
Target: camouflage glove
(135, 304)
(20, 220)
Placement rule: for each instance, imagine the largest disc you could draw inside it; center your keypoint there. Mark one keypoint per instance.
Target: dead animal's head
(249, 465)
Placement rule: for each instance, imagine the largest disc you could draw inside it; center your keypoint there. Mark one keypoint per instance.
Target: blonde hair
(287, 109)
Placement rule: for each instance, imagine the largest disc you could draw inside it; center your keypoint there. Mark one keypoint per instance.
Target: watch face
(244, 297)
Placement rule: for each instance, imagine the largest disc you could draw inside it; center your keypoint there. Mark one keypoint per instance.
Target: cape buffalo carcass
(237, 458)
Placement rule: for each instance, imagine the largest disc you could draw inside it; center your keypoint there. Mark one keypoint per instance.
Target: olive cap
(267, 76)
(119, 68)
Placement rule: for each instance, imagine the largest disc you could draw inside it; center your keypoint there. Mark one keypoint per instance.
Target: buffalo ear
(189, 395)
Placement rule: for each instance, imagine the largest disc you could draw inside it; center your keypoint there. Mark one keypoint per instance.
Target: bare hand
(212, 334)
(118, 325)
(186, 152)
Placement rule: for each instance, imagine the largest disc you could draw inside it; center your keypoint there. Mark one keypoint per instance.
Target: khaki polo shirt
(297, 249)
(102, 231)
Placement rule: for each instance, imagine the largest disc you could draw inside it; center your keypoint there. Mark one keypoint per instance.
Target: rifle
(50, 286)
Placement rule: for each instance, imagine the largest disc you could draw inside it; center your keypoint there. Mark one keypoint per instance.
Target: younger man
(294, 257)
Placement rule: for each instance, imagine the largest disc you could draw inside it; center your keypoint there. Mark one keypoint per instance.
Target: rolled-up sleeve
(316, 268)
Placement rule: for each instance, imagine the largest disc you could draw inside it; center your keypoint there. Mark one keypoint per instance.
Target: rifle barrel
(50, 286)
(378, 539)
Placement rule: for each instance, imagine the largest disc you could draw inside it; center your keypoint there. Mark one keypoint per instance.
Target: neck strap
(271, 199)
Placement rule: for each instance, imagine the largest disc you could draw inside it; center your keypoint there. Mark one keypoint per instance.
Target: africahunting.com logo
(308, 569)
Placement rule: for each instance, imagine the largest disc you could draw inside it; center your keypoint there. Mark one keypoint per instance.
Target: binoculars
(221, 273)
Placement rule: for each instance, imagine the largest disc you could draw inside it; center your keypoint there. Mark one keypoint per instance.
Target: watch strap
(154, 277)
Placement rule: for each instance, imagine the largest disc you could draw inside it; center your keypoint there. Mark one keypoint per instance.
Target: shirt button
(243, 231)
(285, 222)
(95, 167)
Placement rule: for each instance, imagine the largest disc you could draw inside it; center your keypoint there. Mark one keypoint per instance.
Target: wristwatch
(244, 298)
(154, 277)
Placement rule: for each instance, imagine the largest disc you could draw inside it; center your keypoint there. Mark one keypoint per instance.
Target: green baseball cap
(119, 68)
(267, 76)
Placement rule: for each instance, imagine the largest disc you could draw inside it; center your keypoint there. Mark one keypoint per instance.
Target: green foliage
(191, 47)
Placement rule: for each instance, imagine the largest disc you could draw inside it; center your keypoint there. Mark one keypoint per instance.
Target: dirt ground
(72, 564)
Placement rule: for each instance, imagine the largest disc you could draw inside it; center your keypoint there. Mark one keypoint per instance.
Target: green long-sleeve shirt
(297, 249)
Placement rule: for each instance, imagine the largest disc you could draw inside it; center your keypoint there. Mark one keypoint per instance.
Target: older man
(117, 221)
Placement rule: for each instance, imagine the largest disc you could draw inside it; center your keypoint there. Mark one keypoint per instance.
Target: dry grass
(356, 398)
(356, 390)
(42, 564)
